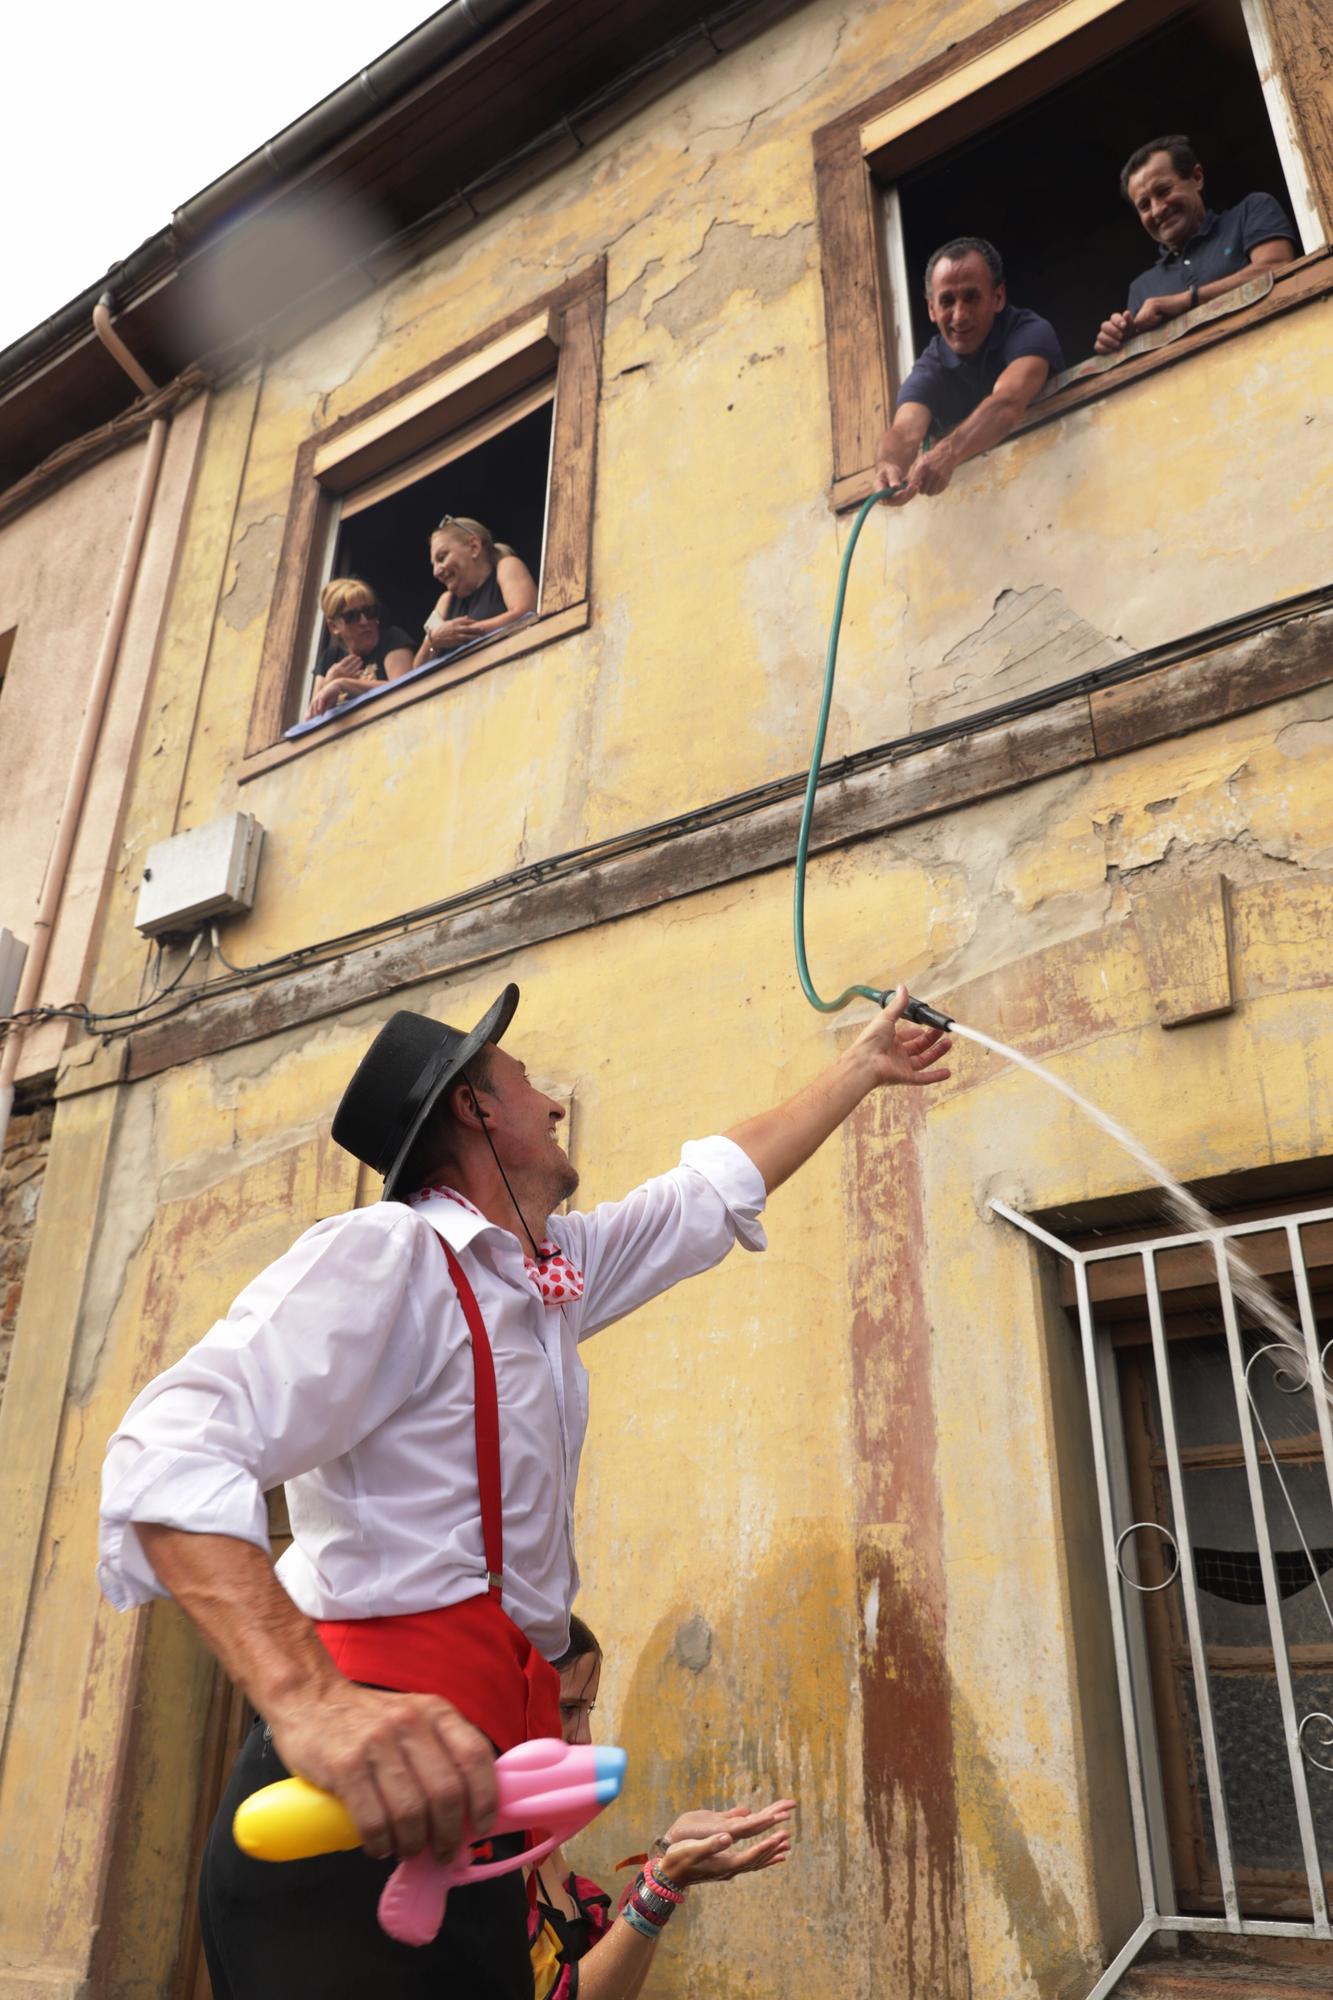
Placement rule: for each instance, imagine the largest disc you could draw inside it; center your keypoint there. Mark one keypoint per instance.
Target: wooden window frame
(559, 332)
(1011, 62)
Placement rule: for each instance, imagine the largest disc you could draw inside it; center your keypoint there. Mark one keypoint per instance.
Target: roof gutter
(437, 41)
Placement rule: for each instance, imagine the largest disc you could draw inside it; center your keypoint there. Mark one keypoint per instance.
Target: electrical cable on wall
(775, 791)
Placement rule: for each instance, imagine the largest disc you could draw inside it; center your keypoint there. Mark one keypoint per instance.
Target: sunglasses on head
(357, 612)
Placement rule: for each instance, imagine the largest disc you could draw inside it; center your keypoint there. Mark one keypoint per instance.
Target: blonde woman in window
(485, 586)
(362, 649)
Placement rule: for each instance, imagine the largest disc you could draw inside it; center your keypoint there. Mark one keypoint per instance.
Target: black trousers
(307, 1930)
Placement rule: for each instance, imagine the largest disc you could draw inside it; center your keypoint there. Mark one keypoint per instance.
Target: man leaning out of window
(973, 380)
(1200, 254)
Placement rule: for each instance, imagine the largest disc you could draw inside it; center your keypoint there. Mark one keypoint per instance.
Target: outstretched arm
(993, 419)
(700, 1847)
(899, 448)
(781, 1140)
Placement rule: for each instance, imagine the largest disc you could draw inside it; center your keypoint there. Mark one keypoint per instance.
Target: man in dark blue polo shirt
(1200, 254)
(973, 380)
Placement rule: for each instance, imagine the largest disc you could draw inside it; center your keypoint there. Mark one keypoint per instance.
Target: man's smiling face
(964, 301)
(524, 1125)
(1170, 205)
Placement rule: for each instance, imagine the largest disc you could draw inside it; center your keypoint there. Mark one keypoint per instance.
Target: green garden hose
(917, 1010)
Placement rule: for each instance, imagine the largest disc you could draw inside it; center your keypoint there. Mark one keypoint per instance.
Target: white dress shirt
(344, 1371)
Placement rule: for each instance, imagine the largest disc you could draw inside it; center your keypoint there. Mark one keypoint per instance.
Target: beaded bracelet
(661, 1887)
(640, 1924)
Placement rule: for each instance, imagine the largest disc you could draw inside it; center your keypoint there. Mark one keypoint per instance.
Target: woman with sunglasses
(361, 649)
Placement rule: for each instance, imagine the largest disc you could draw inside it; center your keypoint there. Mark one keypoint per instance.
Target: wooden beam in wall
(726, 844)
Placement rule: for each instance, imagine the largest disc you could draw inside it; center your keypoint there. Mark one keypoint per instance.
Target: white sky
(116, 115)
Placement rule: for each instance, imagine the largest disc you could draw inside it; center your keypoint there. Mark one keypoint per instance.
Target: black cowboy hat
(399, 1081)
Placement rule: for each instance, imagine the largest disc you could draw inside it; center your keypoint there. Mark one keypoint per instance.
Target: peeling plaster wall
(835, 1535)
(58, 568)
(713, 549)
(716, 1512)
(22, 1170)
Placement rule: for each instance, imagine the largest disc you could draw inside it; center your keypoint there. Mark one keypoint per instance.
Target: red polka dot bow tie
(555, 1280)
(555, 1277)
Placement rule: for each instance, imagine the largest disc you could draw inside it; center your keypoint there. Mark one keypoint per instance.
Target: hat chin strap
(503, 1175)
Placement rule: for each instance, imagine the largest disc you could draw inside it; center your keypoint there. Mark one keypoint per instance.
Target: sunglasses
(356, 614)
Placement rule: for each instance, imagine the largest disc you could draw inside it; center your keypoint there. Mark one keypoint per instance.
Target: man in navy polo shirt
(1200, 254)
(974, 379)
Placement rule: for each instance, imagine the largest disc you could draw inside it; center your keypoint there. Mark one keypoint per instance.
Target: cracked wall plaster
(733, 258)
(256, 558)
(1033, 639)
(130, 1193)
(693, 1645)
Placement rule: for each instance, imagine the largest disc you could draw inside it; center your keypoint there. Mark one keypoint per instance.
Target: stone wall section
(27, 1148)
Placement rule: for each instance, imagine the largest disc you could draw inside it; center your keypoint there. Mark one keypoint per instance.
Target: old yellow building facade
(837, 1521)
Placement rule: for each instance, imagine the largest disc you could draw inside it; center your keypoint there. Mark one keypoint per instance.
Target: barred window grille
(1213, 1459)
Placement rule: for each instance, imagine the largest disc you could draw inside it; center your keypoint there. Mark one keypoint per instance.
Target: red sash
(471, 1653)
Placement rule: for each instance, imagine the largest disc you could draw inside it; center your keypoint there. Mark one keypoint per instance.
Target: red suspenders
(469, 1652)
(487, 1413)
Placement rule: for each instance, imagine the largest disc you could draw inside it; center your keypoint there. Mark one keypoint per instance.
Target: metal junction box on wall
(208, 872)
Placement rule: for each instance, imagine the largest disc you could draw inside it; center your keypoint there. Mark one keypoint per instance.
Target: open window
(1041, 180)
(496, 471)
(1018, 135)
(503, 431)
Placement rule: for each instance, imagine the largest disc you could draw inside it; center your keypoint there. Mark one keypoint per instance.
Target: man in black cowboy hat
(410, 1371)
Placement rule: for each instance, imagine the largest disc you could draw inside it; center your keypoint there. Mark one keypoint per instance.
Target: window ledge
(1233, 1976)
(506, 646)
(1307, 278)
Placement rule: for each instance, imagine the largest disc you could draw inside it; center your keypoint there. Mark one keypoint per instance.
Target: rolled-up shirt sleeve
(672, 1227)
(253, 1403)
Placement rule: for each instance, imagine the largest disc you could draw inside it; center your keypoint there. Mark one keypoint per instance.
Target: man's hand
(701, 1846)
(1156, 312)
(781, 1140)
(889, 477)
(1115, 331)
(408, 1767)
(899, 448)
(934, 469)
(901, 1053)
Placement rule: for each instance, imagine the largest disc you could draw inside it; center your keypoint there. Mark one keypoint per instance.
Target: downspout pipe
(99, 689)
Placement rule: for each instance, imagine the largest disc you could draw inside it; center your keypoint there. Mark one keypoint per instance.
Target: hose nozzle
(924, 1014)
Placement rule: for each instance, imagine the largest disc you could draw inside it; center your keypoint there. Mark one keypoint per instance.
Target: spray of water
(1249, 1289)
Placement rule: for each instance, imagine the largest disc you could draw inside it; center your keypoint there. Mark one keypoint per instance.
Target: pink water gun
(546, 1788)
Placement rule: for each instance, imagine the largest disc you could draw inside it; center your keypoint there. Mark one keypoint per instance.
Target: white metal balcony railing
(1261, 1780)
